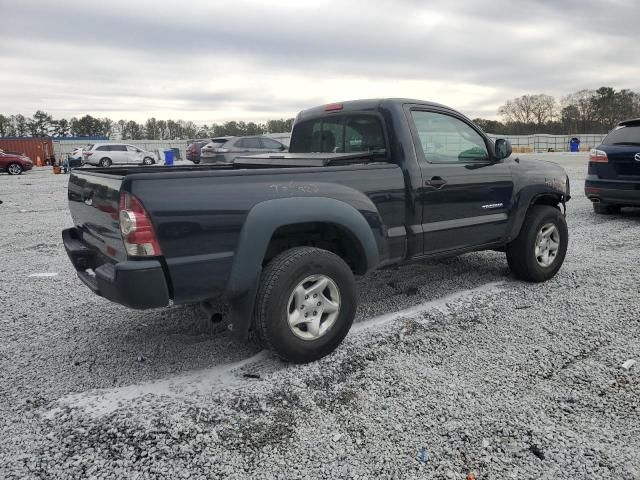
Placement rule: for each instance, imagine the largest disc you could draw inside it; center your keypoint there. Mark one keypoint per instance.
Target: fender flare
(527, 198)
(260, 225)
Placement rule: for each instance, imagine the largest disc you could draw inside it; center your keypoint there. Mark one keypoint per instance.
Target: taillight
(135, 226)
(598, 156)
(87, 154)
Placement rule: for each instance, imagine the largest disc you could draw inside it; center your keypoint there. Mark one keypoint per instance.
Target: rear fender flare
(260, 225)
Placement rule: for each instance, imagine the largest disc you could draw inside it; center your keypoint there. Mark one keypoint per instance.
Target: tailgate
(625, 161)
(94, 200)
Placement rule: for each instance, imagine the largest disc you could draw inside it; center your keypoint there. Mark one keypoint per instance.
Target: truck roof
(365, 104)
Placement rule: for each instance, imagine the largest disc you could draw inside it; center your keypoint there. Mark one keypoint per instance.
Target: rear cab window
(345, 133)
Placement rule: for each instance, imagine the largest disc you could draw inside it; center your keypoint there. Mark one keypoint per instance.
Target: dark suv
(613, 178)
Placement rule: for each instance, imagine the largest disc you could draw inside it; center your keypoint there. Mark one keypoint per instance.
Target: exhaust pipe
(594, 199)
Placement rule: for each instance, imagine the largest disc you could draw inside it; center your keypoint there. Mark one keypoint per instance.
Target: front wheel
(148, 161)
(14, 169)
(538, 252)
(305, 304)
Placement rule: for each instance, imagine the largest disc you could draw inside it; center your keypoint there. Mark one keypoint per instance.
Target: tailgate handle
(437, 182)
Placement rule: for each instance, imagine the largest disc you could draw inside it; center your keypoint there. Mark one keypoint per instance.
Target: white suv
(107, 154)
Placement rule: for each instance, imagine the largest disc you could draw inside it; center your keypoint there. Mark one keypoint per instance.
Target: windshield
(623, 135)
(339, 134)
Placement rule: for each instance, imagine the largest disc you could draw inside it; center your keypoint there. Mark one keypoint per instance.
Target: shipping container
(31, 147)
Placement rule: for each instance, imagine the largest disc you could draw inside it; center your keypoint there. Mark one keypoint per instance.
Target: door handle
(436, 182)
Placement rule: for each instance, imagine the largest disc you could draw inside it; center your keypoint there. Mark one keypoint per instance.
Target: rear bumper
(139, 284)
(614, 192)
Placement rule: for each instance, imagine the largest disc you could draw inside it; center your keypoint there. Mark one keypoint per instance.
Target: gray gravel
(455, 368)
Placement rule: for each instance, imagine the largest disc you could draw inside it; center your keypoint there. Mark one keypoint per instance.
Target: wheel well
(551, 199)
(327, 236)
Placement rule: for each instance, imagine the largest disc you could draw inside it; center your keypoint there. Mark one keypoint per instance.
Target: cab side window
(445, 139)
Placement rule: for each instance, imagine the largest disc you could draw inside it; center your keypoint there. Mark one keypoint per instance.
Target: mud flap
(241, 313)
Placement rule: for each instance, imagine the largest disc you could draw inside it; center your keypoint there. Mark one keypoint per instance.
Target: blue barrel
(574, 144)
(168, 157)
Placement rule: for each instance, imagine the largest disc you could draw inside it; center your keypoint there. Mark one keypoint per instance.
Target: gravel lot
(454, 368)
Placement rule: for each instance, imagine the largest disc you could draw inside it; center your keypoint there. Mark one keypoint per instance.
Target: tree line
(42, 124)
(584, 111)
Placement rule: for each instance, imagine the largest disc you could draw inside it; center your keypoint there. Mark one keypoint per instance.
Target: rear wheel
(14, 169)
(538, 252)
(305, 304)
(105, 162)
(148, 161)
(606, 208)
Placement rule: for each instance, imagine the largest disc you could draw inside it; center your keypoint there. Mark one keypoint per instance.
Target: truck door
(466, 193)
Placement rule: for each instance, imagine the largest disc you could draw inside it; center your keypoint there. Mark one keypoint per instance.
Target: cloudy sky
(223, 60)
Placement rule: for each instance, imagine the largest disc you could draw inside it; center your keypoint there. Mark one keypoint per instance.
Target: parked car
(193, 150)
(613, 176)
(107, 154)
(226, 149)
(366, 184)
(14, 163)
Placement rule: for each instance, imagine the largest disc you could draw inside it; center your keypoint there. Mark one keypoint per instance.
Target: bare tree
(583, 104)
(518, 110)
(544, 109)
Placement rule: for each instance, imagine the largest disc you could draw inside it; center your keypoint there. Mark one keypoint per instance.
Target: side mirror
(282, 148)
(503, 148)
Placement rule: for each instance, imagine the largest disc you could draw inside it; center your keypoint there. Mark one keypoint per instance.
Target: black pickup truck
(366, 184)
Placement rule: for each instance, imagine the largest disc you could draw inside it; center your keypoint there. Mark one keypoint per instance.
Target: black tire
(606, 208)
(196, 161)
(278, 281)
(14, 169)
(148, 161)
(105, 162)
(521, 252)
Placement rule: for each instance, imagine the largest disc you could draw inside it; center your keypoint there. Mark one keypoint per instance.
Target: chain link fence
(550, 143)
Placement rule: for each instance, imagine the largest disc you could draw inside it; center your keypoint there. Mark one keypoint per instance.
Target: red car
(13, 163)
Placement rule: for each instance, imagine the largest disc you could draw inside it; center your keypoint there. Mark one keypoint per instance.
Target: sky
(218, 60)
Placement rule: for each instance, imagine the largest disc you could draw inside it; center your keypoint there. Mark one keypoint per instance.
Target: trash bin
(574, 145)
(168, 157)
(176, 153)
